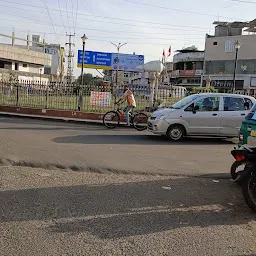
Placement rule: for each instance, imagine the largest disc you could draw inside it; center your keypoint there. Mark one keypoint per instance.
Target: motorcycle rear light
(240, 158)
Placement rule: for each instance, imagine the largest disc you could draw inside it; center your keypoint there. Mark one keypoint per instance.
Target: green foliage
(203, 89)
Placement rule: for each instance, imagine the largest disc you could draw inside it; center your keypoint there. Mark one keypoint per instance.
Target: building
(51, 70)
(123, 77)
(220, 55)
(188, 67)
(23, 64)
(142, 78)
(58, 57)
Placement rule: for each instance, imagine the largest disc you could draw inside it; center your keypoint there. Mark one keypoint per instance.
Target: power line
(62, 17)
(102, 39)
(67, 16)
(135, 38)
(72, 6)
(46, 7)
(175, 9)
(89, 8)
(244, 1)
(76, 14)
(90, 29)
(126, 32)
(106, 17)
(159, 28)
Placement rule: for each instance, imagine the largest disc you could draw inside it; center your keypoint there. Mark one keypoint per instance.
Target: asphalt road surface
(93, 147)
(62, 212)
(100, 192)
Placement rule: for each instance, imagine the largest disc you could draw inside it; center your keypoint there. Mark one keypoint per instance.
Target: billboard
(97, 60)
(126, 62)
(110, 61)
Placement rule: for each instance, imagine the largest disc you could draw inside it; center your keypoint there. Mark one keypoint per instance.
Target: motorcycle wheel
(249, 191)
(233, 172)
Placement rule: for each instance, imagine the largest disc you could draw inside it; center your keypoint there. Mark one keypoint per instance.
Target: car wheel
(175, 133)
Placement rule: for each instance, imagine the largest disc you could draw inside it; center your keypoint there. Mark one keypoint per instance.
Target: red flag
(170, 51)
(163, 58)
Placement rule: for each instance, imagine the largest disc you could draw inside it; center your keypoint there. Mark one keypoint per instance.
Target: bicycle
(112, 119)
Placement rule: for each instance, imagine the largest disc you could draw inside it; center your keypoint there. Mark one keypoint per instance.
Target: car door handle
(214, 114)
(243, 114)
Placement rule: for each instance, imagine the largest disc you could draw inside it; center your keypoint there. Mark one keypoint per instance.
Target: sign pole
(80, 97)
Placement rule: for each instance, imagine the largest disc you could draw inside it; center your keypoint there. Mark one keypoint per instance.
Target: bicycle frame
(121, 112)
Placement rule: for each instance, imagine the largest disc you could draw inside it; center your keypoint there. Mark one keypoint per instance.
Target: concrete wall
(33, 79)
(22, 68)
(28, 76)
(188, 56)
(221, 51)
(24, 55)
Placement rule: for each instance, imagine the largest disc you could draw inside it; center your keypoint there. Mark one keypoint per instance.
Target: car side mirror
(195, 109)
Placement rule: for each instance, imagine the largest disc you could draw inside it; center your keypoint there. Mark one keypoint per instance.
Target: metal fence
(87, 98)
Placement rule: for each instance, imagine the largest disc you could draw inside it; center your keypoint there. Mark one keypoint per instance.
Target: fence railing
(86, 98)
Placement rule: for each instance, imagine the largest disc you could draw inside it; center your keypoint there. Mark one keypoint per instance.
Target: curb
(89, 121)
(52, 114)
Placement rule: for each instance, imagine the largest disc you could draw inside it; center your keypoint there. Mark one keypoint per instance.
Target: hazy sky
(147, 26)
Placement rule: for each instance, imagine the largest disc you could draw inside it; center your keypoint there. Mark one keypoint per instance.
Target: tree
(87, 77)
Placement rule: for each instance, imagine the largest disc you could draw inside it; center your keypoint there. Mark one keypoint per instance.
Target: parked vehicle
(247, 133)
(207, 114)
(238, 166)
(248, 175)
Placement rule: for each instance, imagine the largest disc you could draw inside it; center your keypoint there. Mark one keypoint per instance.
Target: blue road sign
(99, 60)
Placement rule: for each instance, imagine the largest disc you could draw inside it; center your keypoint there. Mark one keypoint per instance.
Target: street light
(80, 97)
(84, 38)
(237, 47)
(118, 47)
(40, 72)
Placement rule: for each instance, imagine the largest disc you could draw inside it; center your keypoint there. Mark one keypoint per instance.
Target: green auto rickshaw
(247, 134)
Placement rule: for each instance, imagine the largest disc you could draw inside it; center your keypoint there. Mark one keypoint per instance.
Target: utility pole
(70, 55)
(118, 47)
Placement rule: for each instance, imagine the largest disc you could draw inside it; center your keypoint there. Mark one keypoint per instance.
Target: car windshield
(180, 104)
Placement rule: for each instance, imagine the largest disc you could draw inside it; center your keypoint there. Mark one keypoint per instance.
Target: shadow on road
(128, 209)
(137, 140)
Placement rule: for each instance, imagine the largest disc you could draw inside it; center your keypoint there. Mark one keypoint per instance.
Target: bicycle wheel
(140, 121)
(111, 119)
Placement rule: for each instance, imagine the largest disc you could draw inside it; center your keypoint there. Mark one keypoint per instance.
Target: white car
(207, 114)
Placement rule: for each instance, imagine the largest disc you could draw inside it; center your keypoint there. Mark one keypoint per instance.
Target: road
(93, 147)
(62, 212)
(93, 191)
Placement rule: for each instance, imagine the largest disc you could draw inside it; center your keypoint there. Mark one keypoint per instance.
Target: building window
(25, 65)
(215, 43)
(16, 66)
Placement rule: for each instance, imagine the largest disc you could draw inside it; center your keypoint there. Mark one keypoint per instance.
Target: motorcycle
(249, 182)
(246, 156)
(239, 165)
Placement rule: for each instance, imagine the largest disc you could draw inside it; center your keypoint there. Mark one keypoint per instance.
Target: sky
(147, 26)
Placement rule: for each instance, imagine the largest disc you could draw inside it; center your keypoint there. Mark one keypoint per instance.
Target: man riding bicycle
(131, 103)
